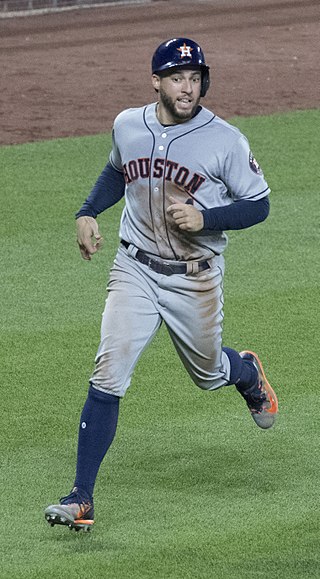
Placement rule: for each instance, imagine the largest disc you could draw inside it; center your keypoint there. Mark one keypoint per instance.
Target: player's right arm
(88, 236)
(107, 191)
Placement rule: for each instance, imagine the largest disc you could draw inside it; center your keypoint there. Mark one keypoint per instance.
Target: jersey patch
(254, 165)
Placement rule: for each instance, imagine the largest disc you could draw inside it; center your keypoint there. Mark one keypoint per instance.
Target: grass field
(191, 488)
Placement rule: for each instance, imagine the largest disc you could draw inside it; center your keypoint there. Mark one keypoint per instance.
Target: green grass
(190, 488)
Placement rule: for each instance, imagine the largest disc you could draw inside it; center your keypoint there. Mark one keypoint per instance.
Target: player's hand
(185, 216)
(88, 236)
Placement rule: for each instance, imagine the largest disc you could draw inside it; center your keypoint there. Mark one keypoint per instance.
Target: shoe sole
(266, 418)
(54, 516)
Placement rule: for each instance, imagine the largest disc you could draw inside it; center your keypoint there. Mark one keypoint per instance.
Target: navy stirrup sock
(97, 428)
(243, 373)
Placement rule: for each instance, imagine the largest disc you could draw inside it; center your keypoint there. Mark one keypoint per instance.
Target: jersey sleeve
(242, 174)
(115, 157)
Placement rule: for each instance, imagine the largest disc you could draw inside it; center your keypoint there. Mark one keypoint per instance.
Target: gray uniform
(205, 161)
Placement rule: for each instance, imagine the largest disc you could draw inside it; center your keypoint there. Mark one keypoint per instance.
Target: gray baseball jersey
(205, 159)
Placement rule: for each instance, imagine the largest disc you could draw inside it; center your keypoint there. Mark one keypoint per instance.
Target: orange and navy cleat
(75, 511)
(260, 398)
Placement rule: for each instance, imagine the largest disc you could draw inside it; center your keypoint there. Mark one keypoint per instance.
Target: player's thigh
(129, 322)
(194, 322)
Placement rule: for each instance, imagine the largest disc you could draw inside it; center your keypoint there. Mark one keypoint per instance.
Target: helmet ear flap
(205, 81)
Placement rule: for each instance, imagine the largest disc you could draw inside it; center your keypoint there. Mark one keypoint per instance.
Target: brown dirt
(70, 73)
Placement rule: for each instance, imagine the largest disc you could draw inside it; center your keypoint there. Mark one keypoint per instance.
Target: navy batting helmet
(179, 52)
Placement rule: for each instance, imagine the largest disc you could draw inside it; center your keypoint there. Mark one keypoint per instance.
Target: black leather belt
(165, 267)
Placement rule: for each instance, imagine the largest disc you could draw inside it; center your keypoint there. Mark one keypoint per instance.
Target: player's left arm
(247, 189)
(238, 215)
(248, 194)
(185, 215)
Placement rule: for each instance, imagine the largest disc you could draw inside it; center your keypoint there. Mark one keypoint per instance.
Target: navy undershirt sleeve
(238, 215)
(107, 191)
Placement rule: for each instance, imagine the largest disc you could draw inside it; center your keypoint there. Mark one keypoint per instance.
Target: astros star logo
(185, 50)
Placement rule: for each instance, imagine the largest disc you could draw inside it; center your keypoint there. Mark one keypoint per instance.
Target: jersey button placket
(158, 213)
(164, 136)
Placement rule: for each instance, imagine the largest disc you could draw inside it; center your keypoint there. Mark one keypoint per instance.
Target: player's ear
(156, 82)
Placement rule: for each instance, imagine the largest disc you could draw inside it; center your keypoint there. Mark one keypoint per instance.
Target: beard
(179, 116)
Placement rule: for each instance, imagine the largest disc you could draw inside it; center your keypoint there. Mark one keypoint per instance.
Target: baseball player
(187, 176)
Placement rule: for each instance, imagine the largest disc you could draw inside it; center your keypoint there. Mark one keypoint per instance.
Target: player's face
(179, 95)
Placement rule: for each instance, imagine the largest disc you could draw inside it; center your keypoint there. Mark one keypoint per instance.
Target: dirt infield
(70, 73)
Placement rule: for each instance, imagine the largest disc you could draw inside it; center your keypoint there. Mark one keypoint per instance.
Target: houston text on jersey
(163, 168)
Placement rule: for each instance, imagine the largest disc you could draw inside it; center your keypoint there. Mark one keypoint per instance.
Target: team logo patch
(185, 51)
(254, 165)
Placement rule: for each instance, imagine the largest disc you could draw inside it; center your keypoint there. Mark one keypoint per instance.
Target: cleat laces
(255, 398)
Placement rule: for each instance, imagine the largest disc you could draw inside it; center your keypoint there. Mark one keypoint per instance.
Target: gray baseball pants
(139, 300)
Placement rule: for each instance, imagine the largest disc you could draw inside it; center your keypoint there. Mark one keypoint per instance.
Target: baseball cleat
(260, 398)
(75, 511)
